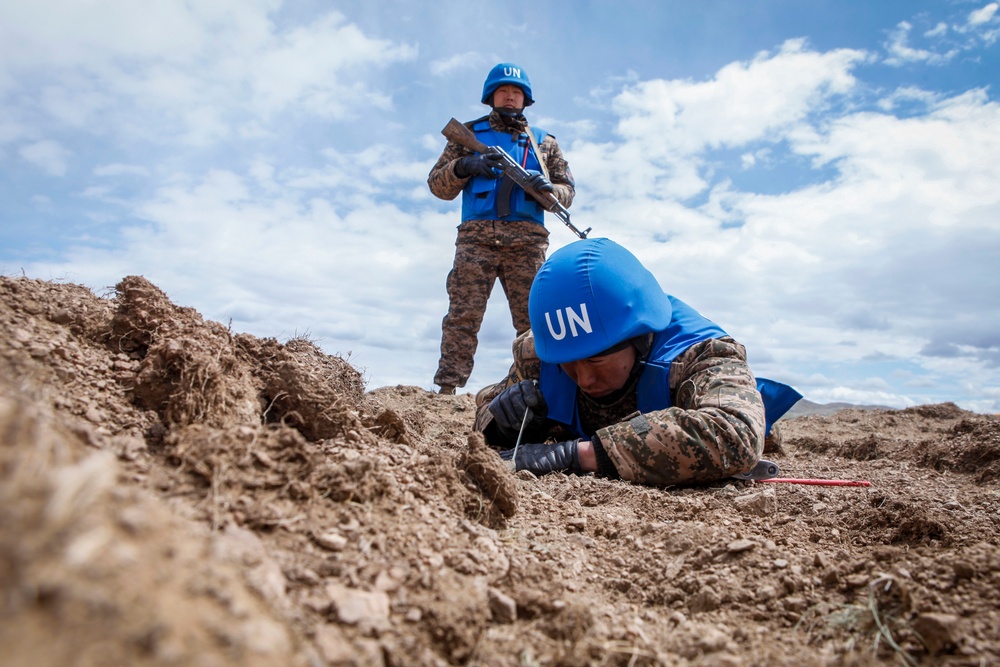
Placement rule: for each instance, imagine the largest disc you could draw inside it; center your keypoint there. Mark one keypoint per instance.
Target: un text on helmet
(583, 319)
(512, 71)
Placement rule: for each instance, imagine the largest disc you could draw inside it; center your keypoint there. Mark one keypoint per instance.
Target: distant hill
(806, 407)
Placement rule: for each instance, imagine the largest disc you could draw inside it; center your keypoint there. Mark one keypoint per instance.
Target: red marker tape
(818, 482)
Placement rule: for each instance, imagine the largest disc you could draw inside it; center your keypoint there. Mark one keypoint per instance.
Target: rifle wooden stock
(460, 134)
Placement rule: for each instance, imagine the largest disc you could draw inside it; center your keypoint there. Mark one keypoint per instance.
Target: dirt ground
(172, 493)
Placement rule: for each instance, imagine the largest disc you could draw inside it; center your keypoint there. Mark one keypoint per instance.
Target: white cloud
(984, 24)
(939, 30)
(322, 66)
(47, 155)
(983, 15)
(457, 62)
(890, 234)
(742, 103)
(666, 126)
(186, 70)
(907, 95)
(901, 52)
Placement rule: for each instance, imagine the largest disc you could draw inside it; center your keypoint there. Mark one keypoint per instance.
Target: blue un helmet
(590, 296)
(507, 73)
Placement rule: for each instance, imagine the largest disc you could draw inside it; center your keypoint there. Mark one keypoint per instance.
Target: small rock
(331, 541)
(765, 593)
(354, 606)
(387, 582)
(939, 632)
(712, 639)
(502, 606)
(795, 604)
(856, 580)
(61, 316)
(739, 546)
(762, 503)
(704, 600)
(964, 569)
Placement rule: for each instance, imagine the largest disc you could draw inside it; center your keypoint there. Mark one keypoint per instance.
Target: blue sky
(820, 178)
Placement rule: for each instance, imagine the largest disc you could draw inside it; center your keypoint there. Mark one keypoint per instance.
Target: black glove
(541, 459)
(509, 407)
(539, 183)
(487, 165)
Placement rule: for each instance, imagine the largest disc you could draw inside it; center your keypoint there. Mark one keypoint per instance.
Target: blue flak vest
(479, 197)
(687, 327)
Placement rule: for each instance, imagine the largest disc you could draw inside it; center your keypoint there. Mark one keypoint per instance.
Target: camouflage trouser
(485, 251)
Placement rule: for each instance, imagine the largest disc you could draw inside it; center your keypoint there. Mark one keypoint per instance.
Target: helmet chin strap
(509, 113)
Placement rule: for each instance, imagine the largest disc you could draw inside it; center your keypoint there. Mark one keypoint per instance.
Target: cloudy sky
(820, 178)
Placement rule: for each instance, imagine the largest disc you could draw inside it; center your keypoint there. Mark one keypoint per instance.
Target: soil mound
(173, 493)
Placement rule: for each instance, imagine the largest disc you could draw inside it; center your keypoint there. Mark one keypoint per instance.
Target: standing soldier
(502, 234)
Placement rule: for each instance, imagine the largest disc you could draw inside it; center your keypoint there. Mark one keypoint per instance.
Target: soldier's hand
(542, 459)
(539, 183)
(487, 165)
(509, 407)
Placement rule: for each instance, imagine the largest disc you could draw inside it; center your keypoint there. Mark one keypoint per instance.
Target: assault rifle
(460, 134)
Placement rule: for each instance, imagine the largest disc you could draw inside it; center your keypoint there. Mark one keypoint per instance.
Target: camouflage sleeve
(559, 172)
(714, 429)
(442, 181)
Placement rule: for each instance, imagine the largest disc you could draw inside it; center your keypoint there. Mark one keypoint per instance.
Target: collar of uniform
(511, 124)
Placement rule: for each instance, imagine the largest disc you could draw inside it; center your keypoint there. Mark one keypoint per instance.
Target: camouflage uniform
(486, 250)
(714, 429)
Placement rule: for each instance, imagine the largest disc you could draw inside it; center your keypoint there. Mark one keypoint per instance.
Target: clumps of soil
(189, 371)
(973, 448)
(496, 494)
(306, 388)
(174, 493)
(96, 571)
(897, 522)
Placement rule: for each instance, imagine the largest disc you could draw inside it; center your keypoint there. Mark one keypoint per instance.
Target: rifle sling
(538, 152)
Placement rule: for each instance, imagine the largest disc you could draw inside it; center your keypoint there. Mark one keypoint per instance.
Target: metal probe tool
(520, 434)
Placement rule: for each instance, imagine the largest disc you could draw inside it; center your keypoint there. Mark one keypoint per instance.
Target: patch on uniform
(640, 425)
